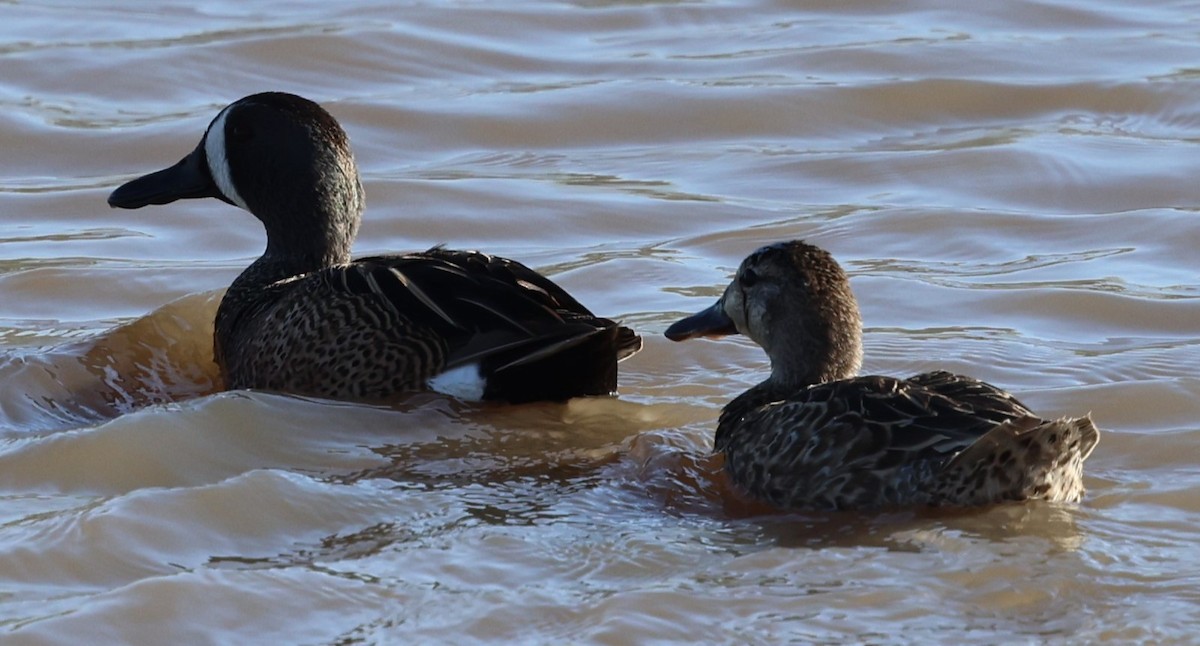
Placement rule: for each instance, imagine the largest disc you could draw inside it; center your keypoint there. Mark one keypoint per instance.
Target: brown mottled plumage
(305, 318)
(814, 436)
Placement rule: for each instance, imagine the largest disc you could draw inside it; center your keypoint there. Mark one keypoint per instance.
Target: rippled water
(1013, 188)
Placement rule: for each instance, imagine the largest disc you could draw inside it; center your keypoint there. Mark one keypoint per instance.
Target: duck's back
(377, 326)
(866, 442)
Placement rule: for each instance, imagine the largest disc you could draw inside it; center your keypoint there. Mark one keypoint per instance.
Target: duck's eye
(748, 278)
(240, 133)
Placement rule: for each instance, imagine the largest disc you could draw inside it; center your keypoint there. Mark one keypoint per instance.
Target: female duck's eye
(748, 278)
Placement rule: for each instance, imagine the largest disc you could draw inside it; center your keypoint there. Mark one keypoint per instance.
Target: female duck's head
(794, 300)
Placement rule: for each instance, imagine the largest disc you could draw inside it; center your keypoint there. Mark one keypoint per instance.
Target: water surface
(1011, 187)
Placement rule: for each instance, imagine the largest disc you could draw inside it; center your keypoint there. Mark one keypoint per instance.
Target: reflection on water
(1011, 188)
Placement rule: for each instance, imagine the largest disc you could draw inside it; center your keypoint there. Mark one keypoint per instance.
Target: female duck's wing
(983, 398)
(931, 417)
(856, 443)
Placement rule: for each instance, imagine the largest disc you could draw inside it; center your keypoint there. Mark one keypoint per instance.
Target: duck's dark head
(282, 158)
(794, 300)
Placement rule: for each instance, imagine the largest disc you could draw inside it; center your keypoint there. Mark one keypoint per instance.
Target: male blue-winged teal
(815, 436)
(305, 318)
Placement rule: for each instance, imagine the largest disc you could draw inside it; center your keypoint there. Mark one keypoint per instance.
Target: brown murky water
(1014, 188)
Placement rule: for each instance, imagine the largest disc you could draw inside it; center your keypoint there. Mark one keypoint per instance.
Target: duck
(306, 319)
(815, 435)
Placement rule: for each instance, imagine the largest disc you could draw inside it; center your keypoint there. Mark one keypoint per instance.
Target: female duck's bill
(815, 436)
(710, 322)
(305, 318)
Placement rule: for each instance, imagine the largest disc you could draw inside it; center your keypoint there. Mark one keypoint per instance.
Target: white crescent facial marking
(218, 162)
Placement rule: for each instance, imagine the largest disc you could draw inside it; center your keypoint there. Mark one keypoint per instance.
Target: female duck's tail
(1027, 458)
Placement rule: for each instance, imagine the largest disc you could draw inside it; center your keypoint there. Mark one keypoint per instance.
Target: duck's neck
(301, 240)
(826, 348)
(293, 250)
(296, 252)
(806, 361)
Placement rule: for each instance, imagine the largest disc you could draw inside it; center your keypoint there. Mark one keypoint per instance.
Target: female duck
(306, 319)
(814, 436)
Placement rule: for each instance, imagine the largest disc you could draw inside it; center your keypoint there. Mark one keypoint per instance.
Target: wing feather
(488, 309)
(841, 443)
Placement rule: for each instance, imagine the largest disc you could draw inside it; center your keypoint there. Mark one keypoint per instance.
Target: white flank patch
(464, 382)
(218, 162)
